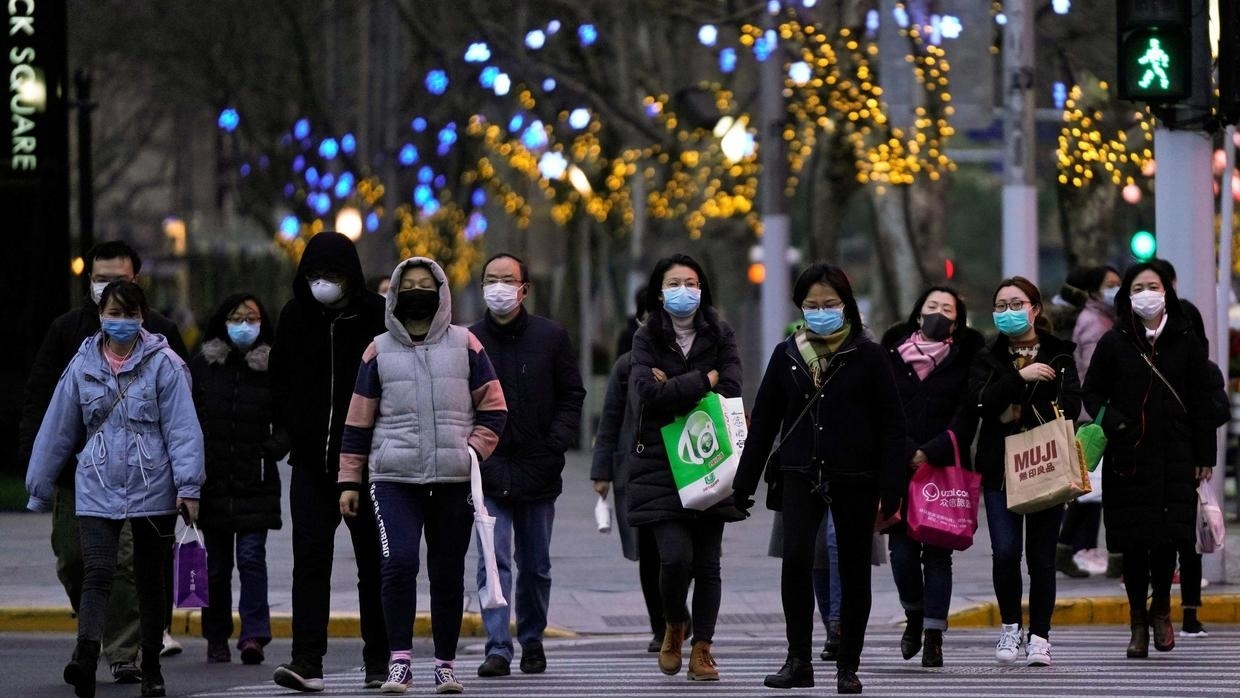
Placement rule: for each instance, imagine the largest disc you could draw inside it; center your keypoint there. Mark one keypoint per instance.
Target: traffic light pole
(1020, 193)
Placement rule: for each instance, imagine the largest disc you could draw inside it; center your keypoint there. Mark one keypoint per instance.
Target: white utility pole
(1020, 193)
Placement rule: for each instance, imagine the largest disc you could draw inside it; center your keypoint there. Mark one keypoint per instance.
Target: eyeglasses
(829, 305)
(252, 319)
(510, 280)
(1002, 306)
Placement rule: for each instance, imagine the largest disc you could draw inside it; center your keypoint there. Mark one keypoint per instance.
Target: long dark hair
(833, 276)
(1124, 317)
(129, 295)
(217, 326)
(654, 287)
(962, 313)
(1030, 289)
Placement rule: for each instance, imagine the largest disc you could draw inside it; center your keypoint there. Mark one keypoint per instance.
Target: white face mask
(501, 299)
(96, 290)
(325, 291)
(1149, 304)
(1109, 293)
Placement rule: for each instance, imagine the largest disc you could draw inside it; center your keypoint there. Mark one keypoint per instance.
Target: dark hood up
(329, 251)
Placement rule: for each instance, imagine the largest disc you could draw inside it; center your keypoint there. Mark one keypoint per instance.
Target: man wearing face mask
(319, 342)
(106, 262)
(537, 368)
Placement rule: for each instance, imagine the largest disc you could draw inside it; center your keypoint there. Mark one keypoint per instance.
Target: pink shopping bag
(943, 504)
(190, 571)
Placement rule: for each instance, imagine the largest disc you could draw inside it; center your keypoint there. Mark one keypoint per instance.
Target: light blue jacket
(143, 449)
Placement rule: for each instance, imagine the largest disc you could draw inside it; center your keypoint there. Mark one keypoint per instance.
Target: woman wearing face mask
(1016, 383)
(126, 395)
(684, 351)
(241, 497)
(829, 399)
(1082, 519)
(930, 355)
(1152, 374)
(426, 396)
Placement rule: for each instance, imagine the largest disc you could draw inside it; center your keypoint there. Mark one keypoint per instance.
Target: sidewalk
(595, 590)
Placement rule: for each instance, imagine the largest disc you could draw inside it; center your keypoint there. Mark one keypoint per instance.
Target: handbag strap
(955, 447)
(804, 411)
(185, 531)
(1149, 362)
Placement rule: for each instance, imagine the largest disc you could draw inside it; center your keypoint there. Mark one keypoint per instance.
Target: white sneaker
(1091, 561)
(1008, 647)
(171, 646)
(1038, 652)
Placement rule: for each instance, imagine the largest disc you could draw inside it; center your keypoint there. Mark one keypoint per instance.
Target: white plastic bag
(602, 515)
(1210, 524)
(491, 595)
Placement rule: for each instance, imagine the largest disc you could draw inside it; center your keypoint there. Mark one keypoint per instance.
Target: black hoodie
(317, 352)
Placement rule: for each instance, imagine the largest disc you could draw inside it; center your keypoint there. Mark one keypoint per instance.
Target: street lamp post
(585, 279)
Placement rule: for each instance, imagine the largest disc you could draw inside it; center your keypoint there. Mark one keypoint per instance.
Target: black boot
(846, 681)
(832, 646)
(80, 671)
(152, 678)
(795, 673)
(910, 641)
(932, 652)
(1139, 645)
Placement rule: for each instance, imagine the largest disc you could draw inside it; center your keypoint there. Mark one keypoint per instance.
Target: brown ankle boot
(702, 663)
(670, 655)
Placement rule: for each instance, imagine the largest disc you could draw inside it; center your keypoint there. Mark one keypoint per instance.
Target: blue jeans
(923, 576)
(827, 572)
(1041, 534)
(529, 523)
(251, 552)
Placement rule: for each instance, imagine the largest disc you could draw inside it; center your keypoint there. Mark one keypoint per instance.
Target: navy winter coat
(537, 368)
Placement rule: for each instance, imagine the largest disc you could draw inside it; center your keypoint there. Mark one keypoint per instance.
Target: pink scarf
(922, 355)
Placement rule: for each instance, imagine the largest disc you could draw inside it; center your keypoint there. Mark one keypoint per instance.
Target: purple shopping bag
(190, 571)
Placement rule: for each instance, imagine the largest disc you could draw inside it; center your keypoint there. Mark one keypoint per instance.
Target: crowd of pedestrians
(386, 411)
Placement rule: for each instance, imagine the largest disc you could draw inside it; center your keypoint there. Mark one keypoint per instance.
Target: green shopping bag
(1093, 441)
(704, 447)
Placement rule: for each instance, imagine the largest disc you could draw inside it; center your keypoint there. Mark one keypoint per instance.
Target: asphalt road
(1088, 661)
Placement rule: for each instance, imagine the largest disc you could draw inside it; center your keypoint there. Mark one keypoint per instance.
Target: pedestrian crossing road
(1087, 662)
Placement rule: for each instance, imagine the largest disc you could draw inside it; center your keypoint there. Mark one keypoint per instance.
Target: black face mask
(936, 326)
(418, 304)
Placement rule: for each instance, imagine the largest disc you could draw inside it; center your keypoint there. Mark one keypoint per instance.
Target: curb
(1110, 610)
(61, 619)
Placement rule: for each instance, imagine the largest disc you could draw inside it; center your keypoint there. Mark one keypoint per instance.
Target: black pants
(314, 503)
(1080, 525)
(1148, 569)
(853, 506)
(689, 550)
(442, 511)
(100, 541)
(648, 571)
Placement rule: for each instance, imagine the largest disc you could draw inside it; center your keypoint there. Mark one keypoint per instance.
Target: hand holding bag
(1043, 467)
(190, 571)
(491, 595)
(943, 504)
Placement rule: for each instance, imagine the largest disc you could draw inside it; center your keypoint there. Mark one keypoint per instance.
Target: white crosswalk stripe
(1086, 662)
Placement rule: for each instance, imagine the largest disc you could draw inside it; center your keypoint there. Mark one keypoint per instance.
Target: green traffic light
(1143, 245)
(1154, 65)
(1156, 62)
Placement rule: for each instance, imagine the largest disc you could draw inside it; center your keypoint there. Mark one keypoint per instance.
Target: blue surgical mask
(681, 301)
(1012, 323)
(121, 329)
(824, 321)
(243, 334)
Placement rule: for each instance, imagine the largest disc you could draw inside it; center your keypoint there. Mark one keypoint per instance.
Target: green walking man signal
(1155, 61)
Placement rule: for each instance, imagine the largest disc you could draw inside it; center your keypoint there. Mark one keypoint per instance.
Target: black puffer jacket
(242, 490)
(60, 345)
(854, 432)
(537, 368)
(652, 492)
(1154, 444)
(995, 385)
(940, 402)
(317, 352)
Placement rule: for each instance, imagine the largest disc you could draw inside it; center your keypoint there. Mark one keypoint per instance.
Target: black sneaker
(218, 652)
(494, 665)
(299, 677)
(375, 676)
(533, 660)
(1193, 628)
(126, 672)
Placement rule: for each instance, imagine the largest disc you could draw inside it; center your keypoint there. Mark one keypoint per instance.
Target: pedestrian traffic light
(1143, 245)
(1154, 50)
